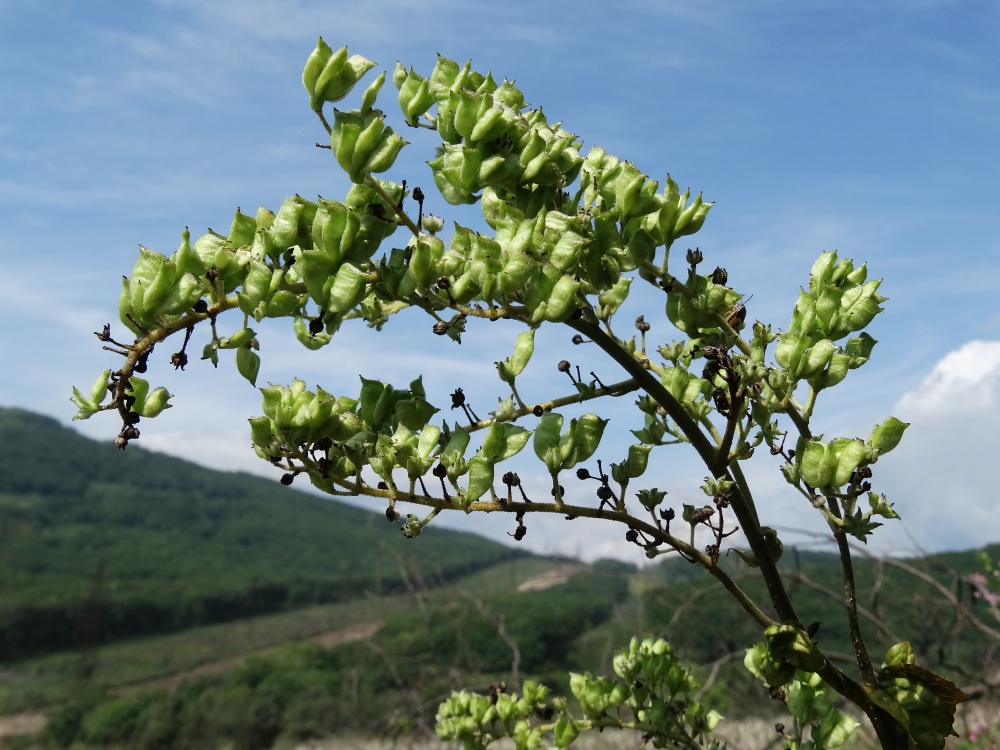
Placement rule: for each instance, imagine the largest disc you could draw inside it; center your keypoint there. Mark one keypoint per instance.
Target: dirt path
(356, 632)
(17, 724)
(550, 578)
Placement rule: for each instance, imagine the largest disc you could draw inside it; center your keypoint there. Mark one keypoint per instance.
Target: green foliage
(163, 544)
(567, 229)
(653, 695)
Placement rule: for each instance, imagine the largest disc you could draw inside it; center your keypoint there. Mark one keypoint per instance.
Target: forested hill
(97, 543)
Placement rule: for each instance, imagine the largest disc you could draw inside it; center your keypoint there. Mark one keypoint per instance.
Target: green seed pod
(339, 76)
(415, 97)
(524, 347)
(638, 457)
(547, 434)
(481, 471)
(260, 431)
(790, 350)
(308, 339)
(565, 732)
(314, 67)
(248, 364)
(238, 339)
(242, 230)
(424, 260)
(817, 358)
(385, 153)
(566, 252)
(586, 433)
(467, 112)
(563, 300)
(154, 403)
(256, 284)
(790, 643)
(371, 93)
(849, 455)
(348, 288)
(493, 443)
(818, 463)
(281, 304)
(887, 435)
(99, 390)
(285, 228)
(792, 473)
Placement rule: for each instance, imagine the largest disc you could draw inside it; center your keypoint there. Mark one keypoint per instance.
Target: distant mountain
(98, 544)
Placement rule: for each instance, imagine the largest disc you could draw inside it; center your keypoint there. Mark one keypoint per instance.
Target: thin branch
(708, 453)
(830, 594)
(618, 389)
(403, 217)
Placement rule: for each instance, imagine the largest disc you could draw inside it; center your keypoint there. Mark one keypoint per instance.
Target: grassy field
(34, 683)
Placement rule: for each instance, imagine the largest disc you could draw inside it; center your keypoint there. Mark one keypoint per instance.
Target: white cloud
(940, 476)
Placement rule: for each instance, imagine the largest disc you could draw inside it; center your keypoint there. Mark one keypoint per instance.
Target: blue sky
(870, 128)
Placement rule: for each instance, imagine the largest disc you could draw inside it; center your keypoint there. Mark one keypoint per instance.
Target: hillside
(98, 544)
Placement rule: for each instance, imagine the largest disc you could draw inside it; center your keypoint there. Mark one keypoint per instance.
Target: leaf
(860, 526)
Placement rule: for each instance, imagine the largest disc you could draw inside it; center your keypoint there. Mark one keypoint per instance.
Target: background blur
(865, 128)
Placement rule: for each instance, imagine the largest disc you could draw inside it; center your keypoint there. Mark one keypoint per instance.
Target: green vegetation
(97, 545)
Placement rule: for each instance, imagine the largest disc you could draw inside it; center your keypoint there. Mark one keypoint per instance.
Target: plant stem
(403, 217)
(709, 455)
(851, 599)
(618, 389)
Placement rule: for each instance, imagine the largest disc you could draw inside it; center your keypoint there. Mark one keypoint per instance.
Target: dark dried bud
(520, 532)
(563, 366)
(201, 306)
(287, 479)
(641, 324)
(457, 399)
(866, 486)
(777, 693)
(721, 399)
(779, 728)
(508, 478)
(382, 486)
(791, 454)
(316, 325)
(121, 442)
(179, 360)
(212, 274)
(561, 491)
(105, 334)
(515, 480)
(577, 339)
(668, 514)
(714, 352)
(324, 465)
(702, 514)
(720, 276)
(631, 535)
(694, 257)
(130, 432)
(538, 410)
(712, 550)
(391, 514)
(440, 471)
(418, 195)
(443, 282)
(323, 444)
(582, 474)
(813, 629)
(440, 328)
(604, 492)
(140, 365)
